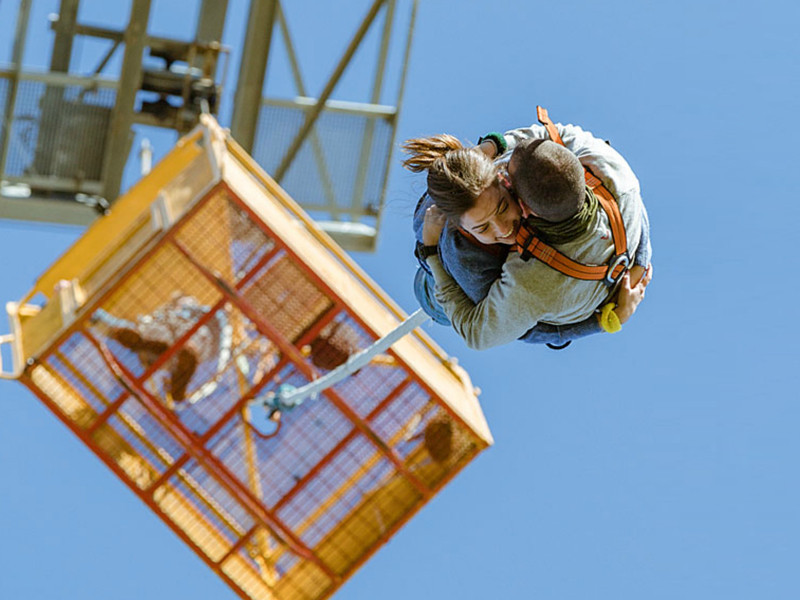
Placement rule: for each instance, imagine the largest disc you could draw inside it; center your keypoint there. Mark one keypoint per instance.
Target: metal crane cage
(158, 337)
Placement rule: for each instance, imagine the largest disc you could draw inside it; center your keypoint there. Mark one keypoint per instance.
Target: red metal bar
(306, 337)
(258, 266)
(163, 462)
(110, 407)
(309, 335)
(234, 296)
(317, 326)
(389, 452)
(443, 405)
(239, 543)
(172, 350)
(223, 420)
(310, 272)
(107, 412)
(75, 372)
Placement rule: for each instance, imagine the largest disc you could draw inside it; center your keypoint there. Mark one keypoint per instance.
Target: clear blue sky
(658, 463)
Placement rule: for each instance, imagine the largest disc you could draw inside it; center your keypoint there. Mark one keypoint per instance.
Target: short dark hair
(548, 178)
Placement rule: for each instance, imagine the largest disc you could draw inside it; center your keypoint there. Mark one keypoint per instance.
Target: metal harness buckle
(619, 259)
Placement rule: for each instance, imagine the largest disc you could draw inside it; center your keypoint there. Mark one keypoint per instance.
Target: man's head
(548, 179)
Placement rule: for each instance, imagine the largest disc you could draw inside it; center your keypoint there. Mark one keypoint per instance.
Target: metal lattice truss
(332, 156)
(165, 328)
(65, 137)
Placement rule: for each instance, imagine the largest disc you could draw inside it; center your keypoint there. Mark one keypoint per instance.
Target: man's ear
(505, 181)
(526, 212)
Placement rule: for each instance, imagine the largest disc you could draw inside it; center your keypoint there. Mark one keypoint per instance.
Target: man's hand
(488, 148)
(628, 298)
(433, 225)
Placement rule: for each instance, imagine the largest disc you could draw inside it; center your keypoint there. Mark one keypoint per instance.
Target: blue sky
(658, 463)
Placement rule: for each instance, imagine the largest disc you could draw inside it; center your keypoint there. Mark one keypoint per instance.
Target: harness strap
(552, 131)
(529, 245)
(609, 204)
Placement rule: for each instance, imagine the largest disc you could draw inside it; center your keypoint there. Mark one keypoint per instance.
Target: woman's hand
(433, 225)
(628, 298)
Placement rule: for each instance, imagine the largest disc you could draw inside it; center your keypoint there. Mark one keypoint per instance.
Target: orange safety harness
(528, 244)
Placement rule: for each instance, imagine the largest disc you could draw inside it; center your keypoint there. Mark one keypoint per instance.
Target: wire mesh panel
(329, 177)
(167, 369)
(59, 131)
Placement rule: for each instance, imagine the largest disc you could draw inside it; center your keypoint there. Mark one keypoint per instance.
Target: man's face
(495, 217)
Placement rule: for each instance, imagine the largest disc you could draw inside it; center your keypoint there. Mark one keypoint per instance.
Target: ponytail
(424, 152)
(457, 175)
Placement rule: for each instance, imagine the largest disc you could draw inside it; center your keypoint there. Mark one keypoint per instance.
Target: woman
(467, 187)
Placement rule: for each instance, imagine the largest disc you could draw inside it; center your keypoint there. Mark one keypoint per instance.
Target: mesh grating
(324, 177)
(59, 131)
(260, 564)
(224, 238)
(307, 435)
(148, 449)
(284, 296)
(92, 381)
(165, 375)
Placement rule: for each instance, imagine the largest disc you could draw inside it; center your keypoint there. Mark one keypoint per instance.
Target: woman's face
(495, 217)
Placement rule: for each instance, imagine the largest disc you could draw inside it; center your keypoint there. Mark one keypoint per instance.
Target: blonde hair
(457, 175)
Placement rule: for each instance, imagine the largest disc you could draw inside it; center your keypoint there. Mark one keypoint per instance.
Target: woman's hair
(456, 175)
